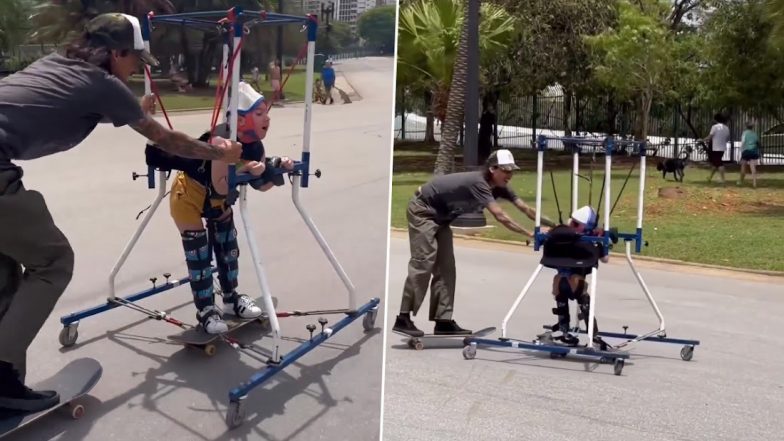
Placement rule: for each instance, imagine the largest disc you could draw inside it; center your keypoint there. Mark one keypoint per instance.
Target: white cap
(585, 216)
(503, 159)
(249, 99)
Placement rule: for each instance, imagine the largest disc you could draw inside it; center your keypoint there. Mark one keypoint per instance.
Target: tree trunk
(430, 137)
(453, 122)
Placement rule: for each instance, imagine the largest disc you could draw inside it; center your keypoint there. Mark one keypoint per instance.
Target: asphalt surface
(154, 389)
(731, 390)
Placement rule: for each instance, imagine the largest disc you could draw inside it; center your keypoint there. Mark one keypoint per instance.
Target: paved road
(152, 389)
(731, 390)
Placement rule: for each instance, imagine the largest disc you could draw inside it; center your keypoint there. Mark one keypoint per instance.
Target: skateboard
(196, 336)
(72, 382)
(418, 342)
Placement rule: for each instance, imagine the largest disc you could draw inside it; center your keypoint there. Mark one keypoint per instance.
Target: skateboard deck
(418, 344)
(199, 338)
(72, 382)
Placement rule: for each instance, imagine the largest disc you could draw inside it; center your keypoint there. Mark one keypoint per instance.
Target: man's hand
(232, 150)
(148, 104)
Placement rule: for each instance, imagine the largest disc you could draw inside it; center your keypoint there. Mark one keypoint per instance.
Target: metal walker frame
(237, 22)
(558, 351)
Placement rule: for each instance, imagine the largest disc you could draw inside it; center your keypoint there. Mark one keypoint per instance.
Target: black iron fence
(672, 129)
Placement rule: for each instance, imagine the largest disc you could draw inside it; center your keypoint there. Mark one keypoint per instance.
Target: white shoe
(211, 320)
(242, 306)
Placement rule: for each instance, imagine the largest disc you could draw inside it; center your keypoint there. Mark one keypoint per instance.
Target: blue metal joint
(312, 27)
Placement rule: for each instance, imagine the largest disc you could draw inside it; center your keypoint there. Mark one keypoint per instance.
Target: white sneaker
(242, 306)
(211, 320)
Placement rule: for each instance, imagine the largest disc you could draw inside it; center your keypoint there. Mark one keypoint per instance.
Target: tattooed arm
(182, 145)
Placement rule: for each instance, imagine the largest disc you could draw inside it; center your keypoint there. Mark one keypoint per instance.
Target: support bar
(553, 349)
(259, 378)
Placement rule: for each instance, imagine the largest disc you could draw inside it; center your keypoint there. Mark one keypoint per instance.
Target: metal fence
(672, 129)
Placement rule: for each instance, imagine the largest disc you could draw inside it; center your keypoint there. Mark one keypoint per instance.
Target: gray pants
(29, 237)
(432, 255)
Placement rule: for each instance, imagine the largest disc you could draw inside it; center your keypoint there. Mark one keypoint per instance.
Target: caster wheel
(618, 366)
(418, 345)
(210, 350)
(469, 352)
(235, 415)
(687, 352)
(369, 321)
(77, 411)
(68, 336)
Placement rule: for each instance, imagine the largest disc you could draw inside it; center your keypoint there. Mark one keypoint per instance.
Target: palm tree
(429, 38)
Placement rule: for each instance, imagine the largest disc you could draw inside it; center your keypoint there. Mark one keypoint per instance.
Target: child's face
(579, 228)
(254, 125)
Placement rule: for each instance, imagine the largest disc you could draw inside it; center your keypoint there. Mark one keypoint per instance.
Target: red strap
(154, 88)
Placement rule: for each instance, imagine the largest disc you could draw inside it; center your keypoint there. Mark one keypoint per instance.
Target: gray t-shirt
(53, 104)
(454, 194)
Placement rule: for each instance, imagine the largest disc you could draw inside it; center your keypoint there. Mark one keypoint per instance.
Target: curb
(659, 260)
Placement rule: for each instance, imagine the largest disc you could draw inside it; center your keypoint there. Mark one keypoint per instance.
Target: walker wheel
(369, 321)
(235, 415)
(68, 335)
(77, 411)
(618, 366)
(687, 352)
(469, 352)
(210, 350)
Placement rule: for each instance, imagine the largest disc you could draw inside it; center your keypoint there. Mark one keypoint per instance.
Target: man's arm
(531, 213)
(182, 145)
(505, 220)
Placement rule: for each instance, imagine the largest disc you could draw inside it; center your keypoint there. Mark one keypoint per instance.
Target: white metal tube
(642, 191)
(519, 299)
(575, 179)
(129, 246)
(592, 311)
(235, 96)
(539, 172)
(324, 246)
(224, 80)
(308, 95)
(261, 276)
(645, 289)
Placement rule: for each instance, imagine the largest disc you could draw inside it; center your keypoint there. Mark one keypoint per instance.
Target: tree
(428, 38)
(14, 24)
(635, 59)
(377, 27)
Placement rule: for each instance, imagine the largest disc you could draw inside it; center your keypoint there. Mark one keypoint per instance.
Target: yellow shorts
(186, 200)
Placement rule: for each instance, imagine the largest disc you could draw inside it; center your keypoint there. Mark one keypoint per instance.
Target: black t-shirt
(56, 102)
(454, 194)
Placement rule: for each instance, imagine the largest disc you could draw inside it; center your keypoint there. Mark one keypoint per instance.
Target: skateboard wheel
(469, 352)
(68, 336)
(411, 344)
(418, 345)
(210, 350)
(235, 415)
(77, 411)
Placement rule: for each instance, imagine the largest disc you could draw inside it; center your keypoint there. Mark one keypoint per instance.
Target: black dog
(674, 166)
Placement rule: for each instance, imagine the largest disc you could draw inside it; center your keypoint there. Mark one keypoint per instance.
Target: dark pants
(432, 263)
(29, 237)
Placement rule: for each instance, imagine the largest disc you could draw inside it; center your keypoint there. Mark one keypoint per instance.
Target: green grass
(205, 98)
(728, 226)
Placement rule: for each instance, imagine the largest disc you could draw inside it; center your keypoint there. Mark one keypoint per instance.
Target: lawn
(707, 223)
(205, 98)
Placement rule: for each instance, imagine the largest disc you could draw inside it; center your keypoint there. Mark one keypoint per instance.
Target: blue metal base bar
(553, 349)
(631, 337)
(259, 378)
(76, 316)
